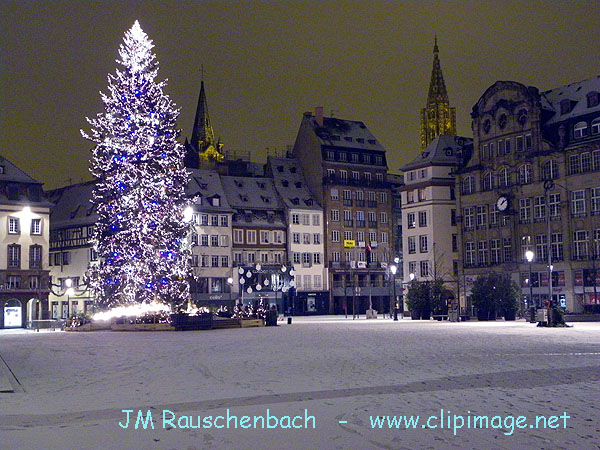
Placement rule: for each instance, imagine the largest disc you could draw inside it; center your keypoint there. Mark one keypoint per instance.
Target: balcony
(360, 203)
(348, 223)
(372, 224)
(372, 203)
(360, 223)
(347, 202)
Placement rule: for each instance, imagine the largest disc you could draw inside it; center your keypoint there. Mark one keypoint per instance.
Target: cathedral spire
(203, 149)
(437, 117)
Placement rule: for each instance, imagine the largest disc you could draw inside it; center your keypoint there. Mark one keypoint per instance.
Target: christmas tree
(141, 233)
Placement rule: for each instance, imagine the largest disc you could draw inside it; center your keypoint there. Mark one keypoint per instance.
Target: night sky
(268, 62)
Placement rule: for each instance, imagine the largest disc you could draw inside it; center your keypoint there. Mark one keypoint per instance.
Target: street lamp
(394, 269)
(230, 283)
(529, 255)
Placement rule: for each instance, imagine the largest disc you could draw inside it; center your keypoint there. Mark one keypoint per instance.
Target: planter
(425, 315)
(142, 327)
(183, 322)
(484, 315)
(415, 314)
(510, 314)
(246, 323)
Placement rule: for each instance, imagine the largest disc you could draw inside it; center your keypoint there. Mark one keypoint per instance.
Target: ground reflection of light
(131, 310)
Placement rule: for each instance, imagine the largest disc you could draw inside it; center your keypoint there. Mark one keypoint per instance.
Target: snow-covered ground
(76, 384)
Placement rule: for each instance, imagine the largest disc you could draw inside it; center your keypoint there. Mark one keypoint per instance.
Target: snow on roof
(11, 173)
(251, 193)
(291, 184)
(344, 133)
(207, 185)
(444, 150)
(577, 94)
(72, 205)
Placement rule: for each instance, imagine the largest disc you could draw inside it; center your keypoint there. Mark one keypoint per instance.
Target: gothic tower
(437, 117)
(203, 151)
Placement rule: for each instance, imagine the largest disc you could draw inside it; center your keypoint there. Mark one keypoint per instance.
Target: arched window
(468, 185)
(596, 126)
(487, 183)
(503, 177)
(524, 172)
(580, 130)
(550, 170)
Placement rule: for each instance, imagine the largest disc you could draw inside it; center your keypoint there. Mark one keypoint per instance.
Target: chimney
(319, 115)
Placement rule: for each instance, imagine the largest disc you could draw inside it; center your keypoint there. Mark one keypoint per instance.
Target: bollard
(289, 320)
(395, 314)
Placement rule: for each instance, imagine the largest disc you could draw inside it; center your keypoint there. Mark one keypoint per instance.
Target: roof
(291, 185)
(248, 193)
(207, 184)
(72, 205)
(577, 93)
(344, 133)
(444, 150)
(12, 173)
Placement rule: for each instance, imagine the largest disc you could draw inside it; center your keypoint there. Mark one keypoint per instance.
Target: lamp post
(230, 283)
(394, 269)
(529, 255)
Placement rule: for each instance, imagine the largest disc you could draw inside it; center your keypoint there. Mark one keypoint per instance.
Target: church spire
(437, 117)
(203, 148)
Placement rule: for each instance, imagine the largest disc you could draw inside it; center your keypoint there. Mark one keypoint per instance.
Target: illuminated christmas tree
(141, 233)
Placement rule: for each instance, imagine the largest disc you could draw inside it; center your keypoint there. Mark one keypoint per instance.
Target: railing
(348, 223)
(372, 224)
(347, 202)
(360, 223)
(353, 182)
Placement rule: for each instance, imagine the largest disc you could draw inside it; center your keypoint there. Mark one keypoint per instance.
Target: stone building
(24, 243)
(346, 170)
(532, 185)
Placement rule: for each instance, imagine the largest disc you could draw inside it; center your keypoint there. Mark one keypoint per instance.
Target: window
(316, 258)
(36, 226)
(317, 279)
(360, 236)
(223, 240)
(13, 225)
(578, 203)
(335, 236)
(35, 256)
(554, 205)
(335, 194)
(454, 242)
(305, 219)
(216, 201)
(422, 195)
(574, 164)
(424, 268)
(541, 247)
(539, 209)
(550, 170)
(296, 219)
(66, 258)
(306, 259)
(596, 126)
(306, 238)
(251, 236)
(316, 238)
(411, 222)
(372, 216)
(525, 246)
(528, 142)
(372, 236)
(238, 236)
(316, 220)
(384, 237)
(214, 221)
(204, 240)
(493, 214)
(580, 130)
(557, 246)
(383, 197)
(412, 244)
(383, 218)
(595, 201)
(214, 261)
(481, 218)
(296, 238)
(14, 256)
(264, 237)
(343, 176)
(423, 244)
(524, 210)
(468, 185)
(204, 219)
(335, 215)
(501, 147)
(453, 217)
(507, 146)
(469, 254)
(225, 261)
(422, 218)
(503, 177)
(335, 256)
(482, 253)
(495, 251)
(34, 282)
(468, 214)
(92, 254)
(507, 249)
(519, 141)
(524, 173)
(485, 152)
(13, 282)
(580, 244)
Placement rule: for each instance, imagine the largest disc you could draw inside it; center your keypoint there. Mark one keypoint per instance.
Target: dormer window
(280, 168)
(372, 141)
(265, 199)
(12, 192)
(244, 198)
(355, 157)
(360, 140)
(260, 184)
(330, 155)
(580, 130)
(298, 184)
(347, 138)
(596, 126)
(335, 137)
(216, 201)
(522, 116)
(285, 183)
(308, 202)
(592, 99)
(565, 106)
(2, 170)
(342, 156)
(292, 169)
(238, 183)
(295, 201)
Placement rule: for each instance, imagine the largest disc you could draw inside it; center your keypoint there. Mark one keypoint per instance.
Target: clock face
(502, 203)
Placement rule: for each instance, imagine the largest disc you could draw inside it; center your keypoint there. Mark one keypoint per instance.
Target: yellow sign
(348, 243)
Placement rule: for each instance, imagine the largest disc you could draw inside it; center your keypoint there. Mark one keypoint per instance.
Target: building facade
(211, 240)
(430, 234)
(72, 223)
(305, 239)
(532, 185)
(346, 170)
(24, 243)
